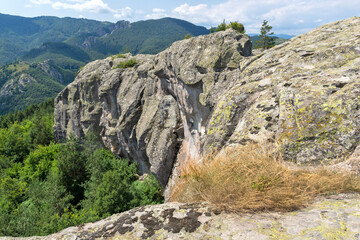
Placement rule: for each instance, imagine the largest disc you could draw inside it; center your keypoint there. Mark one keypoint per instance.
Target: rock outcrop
(331, 218)
(15, 85)
(208, 92)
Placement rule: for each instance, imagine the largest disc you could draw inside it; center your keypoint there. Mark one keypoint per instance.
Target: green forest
(47, 186)
(51, 50)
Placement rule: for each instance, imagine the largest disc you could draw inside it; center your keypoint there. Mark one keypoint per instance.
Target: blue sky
(286, 16)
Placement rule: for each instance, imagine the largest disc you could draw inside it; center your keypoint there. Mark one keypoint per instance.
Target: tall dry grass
(253, 178)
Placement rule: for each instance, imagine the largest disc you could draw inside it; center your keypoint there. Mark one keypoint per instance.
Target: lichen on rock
(328, 218)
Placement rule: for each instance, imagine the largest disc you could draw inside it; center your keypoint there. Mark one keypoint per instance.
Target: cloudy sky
(286, 16)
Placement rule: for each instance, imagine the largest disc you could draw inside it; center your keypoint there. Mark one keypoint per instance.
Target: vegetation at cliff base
(254, 178)
(45, 186)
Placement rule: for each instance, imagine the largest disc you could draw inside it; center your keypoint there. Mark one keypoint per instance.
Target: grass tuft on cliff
(254, 179)
(127, 64)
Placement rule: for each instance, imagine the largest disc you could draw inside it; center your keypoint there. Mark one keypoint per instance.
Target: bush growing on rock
(221, 27)
(236, 26)
(188, 36)
(127, 64)
(233, 25)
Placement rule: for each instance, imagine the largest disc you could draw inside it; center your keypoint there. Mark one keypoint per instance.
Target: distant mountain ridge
(66, 44)
(285, 36)
(23, 33)
(99, 39)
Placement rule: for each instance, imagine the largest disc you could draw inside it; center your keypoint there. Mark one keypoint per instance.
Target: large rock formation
(207, 92)
(332, 218)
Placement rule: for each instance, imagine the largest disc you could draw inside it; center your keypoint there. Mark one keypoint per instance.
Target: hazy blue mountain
(255, 39)
(285, 36)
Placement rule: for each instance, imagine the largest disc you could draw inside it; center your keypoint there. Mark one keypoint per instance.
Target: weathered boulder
(207, 92)
(331, 218)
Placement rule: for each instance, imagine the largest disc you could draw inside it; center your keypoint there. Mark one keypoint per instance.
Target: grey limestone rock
(157, 109)
(207, 92)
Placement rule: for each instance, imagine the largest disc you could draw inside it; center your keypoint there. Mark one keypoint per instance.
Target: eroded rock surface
(207, 92)
(152, 112)
(331, 218)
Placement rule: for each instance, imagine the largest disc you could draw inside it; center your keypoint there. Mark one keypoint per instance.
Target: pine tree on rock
(266, 40)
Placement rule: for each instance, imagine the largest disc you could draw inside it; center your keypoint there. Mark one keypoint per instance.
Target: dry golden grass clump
(254, 179)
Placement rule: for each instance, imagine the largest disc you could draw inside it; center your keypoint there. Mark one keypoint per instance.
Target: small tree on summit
(221, 27)
(266, 41)
(234, 25)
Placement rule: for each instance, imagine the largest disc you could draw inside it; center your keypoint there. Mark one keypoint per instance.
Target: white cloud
(158, 10)
(94, 6)
(123, 13)
(139, 11)
(39, 2)
(185, 9)
(156, 13)
(286, 16)
(231, 10)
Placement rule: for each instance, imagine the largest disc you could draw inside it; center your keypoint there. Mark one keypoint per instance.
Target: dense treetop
(45, 187)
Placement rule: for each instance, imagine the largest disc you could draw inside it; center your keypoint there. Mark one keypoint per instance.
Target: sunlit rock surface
(207, 92)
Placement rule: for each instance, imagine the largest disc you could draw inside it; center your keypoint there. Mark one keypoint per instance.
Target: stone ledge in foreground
(335, 217)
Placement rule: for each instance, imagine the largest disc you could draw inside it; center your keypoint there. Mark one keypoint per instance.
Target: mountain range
(19, 35)
(39, 56)
(48, 51)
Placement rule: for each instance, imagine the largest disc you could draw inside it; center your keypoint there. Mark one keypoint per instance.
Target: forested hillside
(19, 35)
(22, 83)
(22, 34)
(255, 41)
(50, 51)
(45, 186)
(149, 37)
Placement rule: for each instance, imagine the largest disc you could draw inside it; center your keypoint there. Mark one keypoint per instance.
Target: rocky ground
(336, 217)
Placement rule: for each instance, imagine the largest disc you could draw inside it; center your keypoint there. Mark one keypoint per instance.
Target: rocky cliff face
(90, 40)
(207, 92)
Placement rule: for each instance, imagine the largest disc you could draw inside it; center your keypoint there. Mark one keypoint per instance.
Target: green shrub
(188, 36)
(234, 25)
(221, 27)
(148, 191)
(119, 55)
(127, 64)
